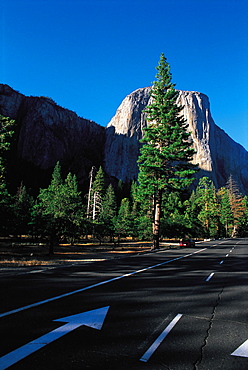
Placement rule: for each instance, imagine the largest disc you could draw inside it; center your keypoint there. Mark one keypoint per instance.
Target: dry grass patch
(22, 253)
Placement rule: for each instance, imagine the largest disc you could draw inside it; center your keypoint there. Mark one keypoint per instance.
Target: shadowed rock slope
(48, 133)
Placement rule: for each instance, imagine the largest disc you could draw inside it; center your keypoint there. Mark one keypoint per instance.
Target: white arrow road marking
(161, 337)
(241, 351)
(93, 319)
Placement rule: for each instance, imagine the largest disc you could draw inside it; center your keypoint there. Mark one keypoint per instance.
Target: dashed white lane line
(34, 271)
(160, 338)
(210, 276)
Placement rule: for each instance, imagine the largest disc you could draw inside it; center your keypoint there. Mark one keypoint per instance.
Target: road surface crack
(205, 341)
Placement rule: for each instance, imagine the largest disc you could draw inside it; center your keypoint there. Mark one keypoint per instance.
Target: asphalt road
(176, 309)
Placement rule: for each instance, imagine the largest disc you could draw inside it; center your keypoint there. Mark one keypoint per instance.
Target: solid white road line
(98, 284)
(210, 276)
(159, 340)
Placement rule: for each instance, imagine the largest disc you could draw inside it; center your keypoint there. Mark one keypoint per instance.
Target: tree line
(61, 212)
(159, 205)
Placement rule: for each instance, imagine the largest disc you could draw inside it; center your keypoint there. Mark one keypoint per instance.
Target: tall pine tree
(59, 207)
(164, 160)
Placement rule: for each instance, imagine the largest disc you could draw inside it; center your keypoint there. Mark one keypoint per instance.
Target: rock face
(48, 133)
(10, 101)
(217, 154)
(123, 134)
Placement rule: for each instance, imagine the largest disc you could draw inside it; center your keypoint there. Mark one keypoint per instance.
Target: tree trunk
(156, 219)
(53, 241)
(51, 245)
(235, 231)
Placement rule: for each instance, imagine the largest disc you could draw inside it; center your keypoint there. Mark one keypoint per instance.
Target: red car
(187, 243)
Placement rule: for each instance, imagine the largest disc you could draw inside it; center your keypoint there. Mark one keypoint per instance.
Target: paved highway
(173, 309)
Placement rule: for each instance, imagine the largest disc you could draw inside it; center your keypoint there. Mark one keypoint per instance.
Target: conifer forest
(166, 201)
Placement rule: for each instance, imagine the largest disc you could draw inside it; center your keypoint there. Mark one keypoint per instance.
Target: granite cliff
(217, 154)
(47, 133)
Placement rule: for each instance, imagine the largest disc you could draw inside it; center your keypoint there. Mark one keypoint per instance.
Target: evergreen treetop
(167, 150)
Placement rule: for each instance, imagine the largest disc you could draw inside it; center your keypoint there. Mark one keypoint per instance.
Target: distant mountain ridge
(48, 133)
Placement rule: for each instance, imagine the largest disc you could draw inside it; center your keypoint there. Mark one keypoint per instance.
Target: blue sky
(89, 54)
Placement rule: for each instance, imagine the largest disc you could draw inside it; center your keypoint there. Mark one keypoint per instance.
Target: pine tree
(96, 195)
(226, 216)
(109, 209)
(74, 212)
(236, 202)
(59, 207)
(124, 222)
(47, 213)
(208, 206)
(22, 208)
(7, 130)
(164, 160)
(192, 210)
(243, 224)
(99, 182)
(140, 214)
